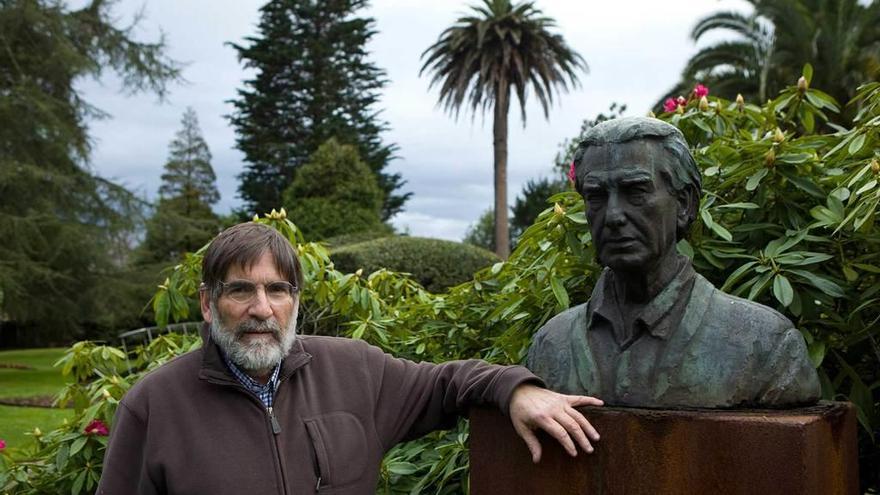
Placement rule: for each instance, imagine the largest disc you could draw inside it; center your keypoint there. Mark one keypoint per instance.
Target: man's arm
(125, 470)
(415, 398)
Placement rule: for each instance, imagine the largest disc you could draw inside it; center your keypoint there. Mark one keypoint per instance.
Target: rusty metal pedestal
(658, 452)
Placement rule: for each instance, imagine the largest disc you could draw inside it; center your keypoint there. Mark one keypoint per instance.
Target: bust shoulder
(559, 327)
(744, 315)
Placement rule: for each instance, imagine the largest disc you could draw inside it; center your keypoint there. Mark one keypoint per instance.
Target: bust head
(641, 189)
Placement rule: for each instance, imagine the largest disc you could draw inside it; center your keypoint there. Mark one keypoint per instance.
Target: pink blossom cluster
(97, 427)
(2, 444)
(571, 175)
(672, 104)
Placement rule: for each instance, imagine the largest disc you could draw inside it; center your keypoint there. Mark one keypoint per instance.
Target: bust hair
(681, 174)
(242, 245)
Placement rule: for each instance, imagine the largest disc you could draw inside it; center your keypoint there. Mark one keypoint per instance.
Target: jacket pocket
(339, 445)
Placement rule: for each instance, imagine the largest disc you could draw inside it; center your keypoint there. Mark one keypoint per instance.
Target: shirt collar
(660, 316)
(249, 382)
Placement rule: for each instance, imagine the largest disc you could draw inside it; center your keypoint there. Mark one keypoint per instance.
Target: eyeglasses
(244, 291)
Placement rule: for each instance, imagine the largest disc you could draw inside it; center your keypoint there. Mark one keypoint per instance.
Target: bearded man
(261, 410)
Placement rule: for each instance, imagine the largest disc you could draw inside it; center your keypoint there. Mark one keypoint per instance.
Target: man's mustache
(258, 326)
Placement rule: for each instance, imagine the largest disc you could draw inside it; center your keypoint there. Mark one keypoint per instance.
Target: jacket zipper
(276, 427)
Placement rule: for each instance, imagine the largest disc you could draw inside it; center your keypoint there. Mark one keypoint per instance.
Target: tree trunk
(499, 142)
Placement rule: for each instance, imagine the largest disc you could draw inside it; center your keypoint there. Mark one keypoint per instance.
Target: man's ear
(688, 205)
(205, 303)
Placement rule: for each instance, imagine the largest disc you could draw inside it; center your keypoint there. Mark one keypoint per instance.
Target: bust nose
(614, 215)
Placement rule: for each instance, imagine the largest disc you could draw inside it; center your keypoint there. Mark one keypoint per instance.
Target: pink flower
(571, 175)
(681, 101)
(97, 427)
(669, 105)
(700, 91)
(2, 444)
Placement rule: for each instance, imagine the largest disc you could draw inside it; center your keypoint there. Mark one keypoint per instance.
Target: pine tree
(314, 82)
(183, 220)
(65, 230)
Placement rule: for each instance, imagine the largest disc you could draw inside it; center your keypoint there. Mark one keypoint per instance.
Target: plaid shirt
(266, 393)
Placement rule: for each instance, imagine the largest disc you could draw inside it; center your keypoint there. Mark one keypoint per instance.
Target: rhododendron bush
(787, 218)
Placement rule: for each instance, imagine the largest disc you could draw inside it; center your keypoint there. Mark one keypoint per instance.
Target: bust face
(632, 213)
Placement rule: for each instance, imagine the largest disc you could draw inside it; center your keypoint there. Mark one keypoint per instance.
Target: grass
(41, 379)
(15, 421)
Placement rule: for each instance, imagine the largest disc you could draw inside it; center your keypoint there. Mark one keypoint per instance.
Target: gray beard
(257, 355)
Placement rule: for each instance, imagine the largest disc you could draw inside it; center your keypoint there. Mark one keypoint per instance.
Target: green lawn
(43, 379)
(16, 421)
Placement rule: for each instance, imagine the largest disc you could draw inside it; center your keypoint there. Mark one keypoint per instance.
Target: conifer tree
(65, 230)
(183, 220)
(313, 82)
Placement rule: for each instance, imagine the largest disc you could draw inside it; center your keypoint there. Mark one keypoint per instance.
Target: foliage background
(788, 218)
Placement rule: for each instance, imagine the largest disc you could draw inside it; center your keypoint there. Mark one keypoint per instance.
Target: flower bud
(770, 158)
(740, 101)
(359, 272)
(557, 209)
(37, 433)
(778, 136)
(106, 394)
(256, 217)
(680, 110)
(704, 103)
(803, 85)
(875, 166)
(283, 213)
(651, 114)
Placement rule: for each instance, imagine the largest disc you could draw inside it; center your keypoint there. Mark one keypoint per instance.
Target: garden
(787, 218)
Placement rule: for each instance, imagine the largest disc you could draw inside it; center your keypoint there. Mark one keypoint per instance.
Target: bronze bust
(655, 333)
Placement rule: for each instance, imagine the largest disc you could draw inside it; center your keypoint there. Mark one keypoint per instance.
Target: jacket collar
(214, 370)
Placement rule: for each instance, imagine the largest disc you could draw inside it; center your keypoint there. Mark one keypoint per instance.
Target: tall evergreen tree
(183, 220)
(313, 82)
(65, 230)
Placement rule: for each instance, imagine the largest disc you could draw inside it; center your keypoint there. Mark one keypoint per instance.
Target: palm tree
(839, 38)
(481, 58)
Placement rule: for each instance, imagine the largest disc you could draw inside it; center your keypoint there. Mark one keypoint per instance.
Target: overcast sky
(635, 49)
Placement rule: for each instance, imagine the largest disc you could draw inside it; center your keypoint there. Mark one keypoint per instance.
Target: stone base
(657, 452)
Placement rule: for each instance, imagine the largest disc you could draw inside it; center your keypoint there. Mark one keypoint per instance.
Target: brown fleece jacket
(191, 428)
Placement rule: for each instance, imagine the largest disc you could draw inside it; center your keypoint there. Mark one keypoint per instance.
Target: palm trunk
(499, 142)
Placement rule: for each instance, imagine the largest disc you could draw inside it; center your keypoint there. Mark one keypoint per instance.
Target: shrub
(434, 263)
(334, 193)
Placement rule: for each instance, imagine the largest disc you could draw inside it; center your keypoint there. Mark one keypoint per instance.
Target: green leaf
(560, 292)
(737, 274)
(741, 206)
(867, 187)
(817, 352)
(77, 445)
(808, 72)
(78, 483)
(782, 290)
(803, 184)
(856, 145)
(794, 158)
(821, 283)
(721, 232)
(755, 179)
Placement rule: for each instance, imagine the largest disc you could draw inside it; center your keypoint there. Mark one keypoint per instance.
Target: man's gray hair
(626, 129)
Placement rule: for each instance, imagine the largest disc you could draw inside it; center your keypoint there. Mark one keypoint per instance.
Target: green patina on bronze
(655, 333)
